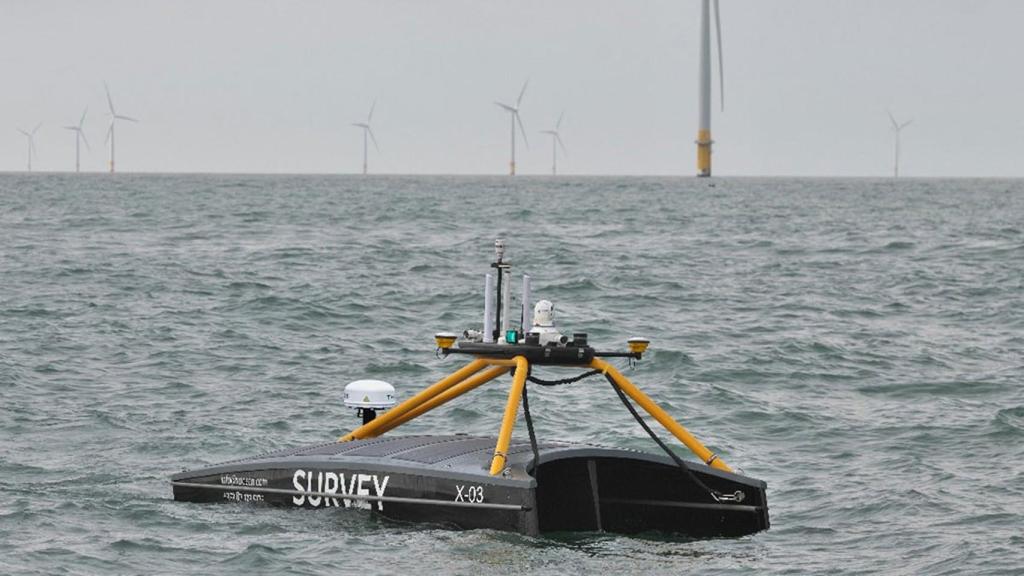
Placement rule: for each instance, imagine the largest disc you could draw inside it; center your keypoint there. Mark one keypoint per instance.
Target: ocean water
(855, 343)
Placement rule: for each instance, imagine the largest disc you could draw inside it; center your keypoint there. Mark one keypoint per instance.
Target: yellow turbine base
(704, 153)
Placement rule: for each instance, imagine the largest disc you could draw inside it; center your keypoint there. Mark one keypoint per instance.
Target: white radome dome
(375, 394)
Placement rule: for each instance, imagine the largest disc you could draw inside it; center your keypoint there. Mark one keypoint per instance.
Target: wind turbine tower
(79, 138)
(514, 115)
(114, 117)
(31, 136)
(367, 131)
(556, 141)
(896, 129)
(704, 140)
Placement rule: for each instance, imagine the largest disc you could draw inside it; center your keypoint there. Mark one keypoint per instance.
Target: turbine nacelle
(112, 112)
(896, 126)
(31, 134)
(557, 136)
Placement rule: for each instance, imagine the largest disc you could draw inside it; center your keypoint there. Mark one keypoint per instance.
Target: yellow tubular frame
(511, 411)
(469, 378)
(660, 415)
(454, 392)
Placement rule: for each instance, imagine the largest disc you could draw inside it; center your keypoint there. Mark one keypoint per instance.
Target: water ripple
(856, 343)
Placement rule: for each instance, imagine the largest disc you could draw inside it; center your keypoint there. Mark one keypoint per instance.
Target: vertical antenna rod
(499, 251)
(527, 311)
(489, 308)
(506, 318)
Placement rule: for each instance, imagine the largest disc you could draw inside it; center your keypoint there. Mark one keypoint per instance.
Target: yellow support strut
(511, 411)
(468, 378)
(466, 385)
(658, 413)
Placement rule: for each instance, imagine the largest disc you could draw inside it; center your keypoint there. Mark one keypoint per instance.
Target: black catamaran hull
(444, 479)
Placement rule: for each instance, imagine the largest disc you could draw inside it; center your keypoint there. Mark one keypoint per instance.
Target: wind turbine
(367, 131)
(79, 137)
(556, 141)
(114, 117)
(514, 114)
(704, 140)
(896, 129)
(31, 143)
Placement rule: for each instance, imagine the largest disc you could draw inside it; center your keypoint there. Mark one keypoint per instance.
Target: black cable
(536, 380)
(715, 494)
(529, 428)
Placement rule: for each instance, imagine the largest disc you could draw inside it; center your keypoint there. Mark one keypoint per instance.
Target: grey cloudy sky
(246, 86)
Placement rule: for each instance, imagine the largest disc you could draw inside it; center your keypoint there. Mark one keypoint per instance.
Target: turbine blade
(560, 144)
(905, 124)
(109, 132)
(559, 123)
(370, 115)
(506, 106)
(24, 132)
(721, 67)
(895, 125)
(128, 118)
(110, 102)
(75, 128)
(36, 129)
(80, 122)
(86, 140)
(360, 125)
(374, 138)
(521, 129)
(521, 92)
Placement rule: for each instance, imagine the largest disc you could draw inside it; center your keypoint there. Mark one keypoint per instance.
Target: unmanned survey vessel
(530, 485)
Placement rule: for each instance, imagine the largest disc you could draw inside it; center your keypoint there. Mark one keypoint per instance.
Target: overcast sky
(246, 86)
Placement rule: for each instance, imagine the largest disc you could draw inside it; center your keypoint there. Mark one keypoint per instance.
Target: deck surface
(457, 455)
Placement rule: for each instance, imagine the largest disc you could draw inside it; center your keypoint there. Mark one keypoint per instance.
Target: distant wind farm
(709, 41)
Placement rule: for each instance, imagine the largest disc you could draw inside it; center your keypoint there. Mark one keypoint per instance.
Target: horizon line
(501, 175)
